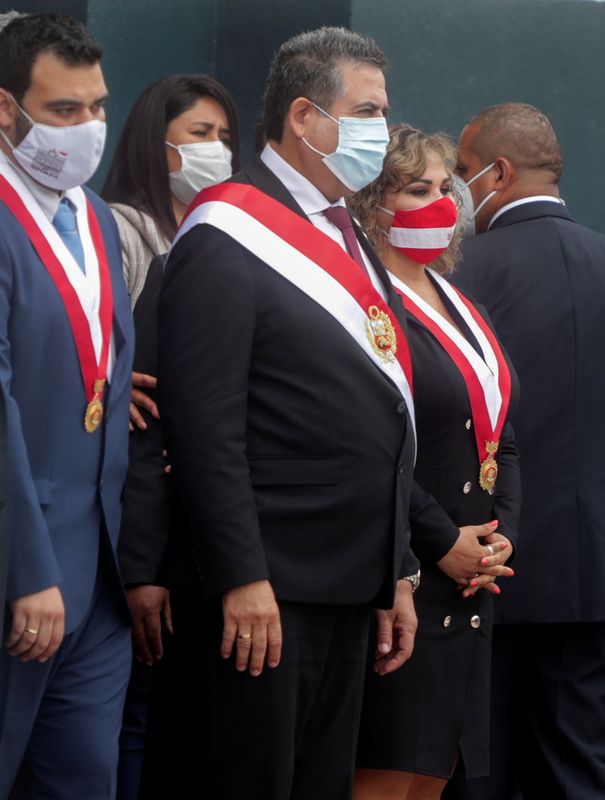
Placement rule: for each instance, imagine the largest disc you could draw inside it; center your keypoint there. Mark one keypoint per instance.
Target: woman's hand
(139, 399)
(475, 564)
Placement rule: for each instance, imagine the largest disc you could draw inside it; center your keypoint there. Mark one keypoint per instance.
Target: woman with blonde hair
(418, 721)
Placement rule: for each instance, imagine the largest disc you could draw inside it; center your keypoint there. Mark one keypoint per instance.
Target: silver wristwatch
(413, 579)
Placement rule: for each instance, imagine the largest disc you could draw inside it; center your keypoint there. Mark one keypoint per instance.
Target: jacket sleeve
(33, 566)
(146, 512)
(507, 494)
(433, 532)
(206, 331)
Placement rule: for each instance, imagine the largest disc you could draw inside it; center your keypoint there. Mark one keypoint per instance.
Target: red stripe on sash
(484, 432)
(312, 243)
(90, 370)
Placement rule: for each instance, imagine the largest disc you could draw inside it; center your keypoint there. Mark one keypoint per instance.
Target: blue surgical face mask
(362, 146)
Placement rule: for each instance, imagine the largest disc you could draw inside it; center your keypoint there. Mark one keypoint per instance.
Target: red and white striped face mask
(423, 234)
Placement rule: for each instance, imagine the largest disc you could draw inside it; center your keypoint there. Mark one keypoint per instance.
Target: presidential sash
(487, 379)
(315, 264)
(92, 337)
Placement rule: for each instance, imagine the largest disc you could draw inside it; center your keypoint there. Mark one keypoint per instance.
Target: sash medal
(487, 379)
(315, 264)
(94, 375)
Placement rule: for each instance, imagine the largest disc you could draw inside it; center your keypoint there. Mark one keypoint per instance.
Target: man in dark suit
(542, 278)
(291, 440)
(66, 345)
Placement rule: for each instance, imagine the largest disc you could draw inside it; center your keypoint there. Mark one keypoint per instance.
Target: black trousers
(289, 734)
(548, 715)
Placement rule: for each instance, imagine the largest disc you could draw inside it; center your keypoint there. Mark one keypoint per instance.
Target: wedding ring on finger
(244, 636)
(492, 552)
(32, 631)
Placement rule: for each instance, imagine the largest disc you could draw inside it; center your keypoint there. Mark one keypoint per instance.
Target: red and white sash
(487, 379)
(88, 299)
(315, 264)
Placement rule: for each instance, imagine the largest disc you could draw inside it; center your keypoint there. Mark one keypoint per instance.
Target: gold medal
(381, 334)
(94, 410)
(488, 471)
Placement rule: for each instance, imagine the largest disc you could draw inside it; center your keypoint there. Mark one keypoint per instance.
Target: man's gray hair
(307, 65)
(9, 16)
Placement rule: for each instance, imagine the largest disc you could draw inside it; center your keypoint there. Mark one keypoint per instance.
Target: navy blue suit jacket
(542, 278)
(66, 484)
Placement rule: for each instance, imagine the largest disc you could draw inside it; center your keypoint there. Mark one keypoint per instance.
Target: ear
(8, 111)
(297, 118)
(506, 173)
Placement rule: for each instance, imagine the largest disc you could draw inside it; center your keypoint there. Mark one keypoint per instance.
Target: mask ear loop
(325, 113)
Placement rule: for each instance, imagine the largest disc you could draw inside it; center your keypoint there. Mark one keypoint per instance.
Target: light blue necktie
(65, 224)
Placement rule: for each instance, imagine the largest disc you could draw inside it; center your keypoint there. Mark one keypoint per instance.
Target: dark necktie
(339, 216)
(65, 225)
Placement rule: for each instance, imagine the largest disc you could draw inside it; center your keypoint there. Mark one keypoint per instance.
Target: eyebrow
(371, 106)
(427, 181)
(70, 101)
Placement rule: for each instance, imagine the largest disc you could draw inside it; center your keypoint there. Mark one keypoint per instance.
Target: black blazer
(447, 465)
(542, 278)
(292, 452)
(4, 509)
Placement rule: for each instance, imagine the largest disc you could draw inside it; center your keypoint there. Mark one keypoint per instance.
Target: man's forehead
(360, 77)
(51, 75)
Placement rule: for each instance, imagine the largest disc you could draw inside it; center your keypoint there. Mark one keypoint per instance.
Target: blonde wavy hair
(406, 159)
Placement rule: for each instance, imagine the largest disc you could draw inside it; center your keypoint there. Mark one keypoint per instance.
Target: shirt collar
(534, 199)
(308, 196)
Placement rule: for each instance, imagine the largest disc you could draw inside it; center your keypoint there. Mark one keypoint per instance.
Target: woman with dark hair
(181, 136)
(418, 721)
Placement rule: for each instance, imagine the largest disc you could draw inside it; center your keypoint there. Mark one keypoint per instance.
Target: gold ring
(244, 636)
(33, 631)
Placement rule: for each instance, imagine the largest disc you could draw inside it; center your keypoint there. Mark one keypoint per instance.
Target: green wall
(448, 59)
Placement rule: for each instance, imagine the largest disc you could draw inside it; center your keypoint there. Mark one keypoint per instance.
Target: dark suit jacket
(542, 279)
(4, 507)
(292, 452)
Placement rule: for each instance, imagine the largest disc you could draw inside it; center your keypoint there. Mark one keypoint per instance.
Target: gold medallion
(488, 471)
(381, 334)
(94, 410)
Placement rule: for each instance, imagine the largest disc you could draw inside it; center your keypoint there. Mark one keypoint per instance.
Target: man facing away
(285, 395)
(65, 359)
(542, 278)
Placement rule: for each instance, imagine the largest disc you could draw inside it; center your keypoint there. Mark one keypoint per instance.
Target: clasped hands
(477, 558)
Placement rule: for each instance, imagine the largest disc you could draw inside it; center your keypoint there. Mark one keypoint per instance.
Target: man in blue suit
(66, 347)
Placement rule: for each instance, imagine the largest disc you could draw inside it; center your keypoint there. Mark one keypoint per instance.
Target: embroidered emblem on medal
(381, 334)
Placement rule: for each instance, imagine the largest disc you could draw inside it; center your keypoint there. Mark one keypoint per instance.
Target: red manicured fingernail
(496, 590)
(474, 583)
(494, 522)
(512, 573)
(485, 561)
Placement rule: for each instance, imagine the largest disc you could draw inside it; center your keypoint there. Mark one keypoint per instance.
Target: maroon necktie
(339, 216)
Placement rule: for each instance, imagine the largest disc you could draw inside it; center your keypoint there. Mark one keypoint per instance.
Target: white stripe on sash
(485, 370)
(304, 273)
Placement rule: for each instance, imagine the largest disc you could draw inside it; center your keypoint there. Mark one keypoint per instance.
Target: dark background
(448, 59)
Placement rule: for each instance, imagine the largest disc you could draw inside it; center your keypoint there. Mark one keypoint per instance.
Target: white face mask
(469, 211)
(60, 157)
(202, 164)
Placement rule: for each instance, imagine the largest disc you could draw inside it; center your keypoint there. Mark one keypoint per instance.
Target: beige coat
(141, 242)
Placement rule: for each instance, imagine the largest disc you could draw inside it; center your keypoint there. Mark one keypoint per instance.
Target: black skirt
(436, 707)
